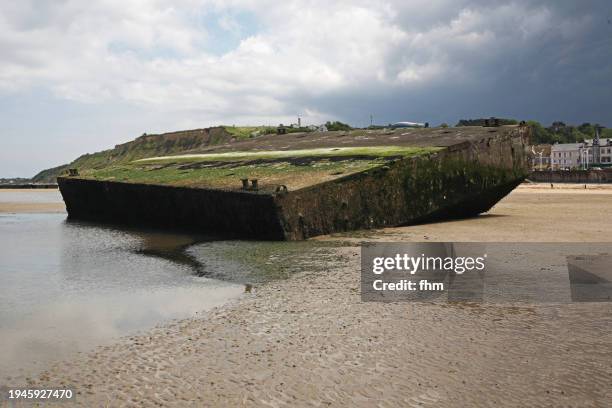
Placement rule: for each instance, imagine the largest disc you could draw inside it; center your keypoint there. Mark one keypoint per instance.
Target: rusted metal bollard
(73, 172)
(254, 185)
(245, 183)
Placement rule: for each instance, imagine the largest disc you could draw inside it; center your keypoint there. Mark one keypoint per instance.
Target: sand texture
(15, 201)
(310, 341)
(17, 208)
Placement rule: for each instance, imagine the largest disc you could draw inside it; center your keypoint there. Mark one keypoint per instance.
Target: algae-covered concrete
(311, 183)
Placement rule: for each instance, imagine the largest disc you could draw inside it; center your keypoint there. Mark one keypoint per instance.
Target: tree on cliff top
(337, 125)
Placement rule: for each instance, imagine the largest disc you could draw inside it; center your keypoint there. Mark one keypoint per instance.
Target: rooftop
(560, 147)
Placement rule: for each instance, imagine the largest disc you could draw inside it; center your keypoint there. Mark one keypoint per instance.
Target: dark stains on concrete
(475, 170)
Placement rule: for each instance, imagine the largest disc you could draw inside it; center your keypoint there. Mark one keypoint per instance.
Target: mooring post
(245, 183)
(254, 184)
(73, 172)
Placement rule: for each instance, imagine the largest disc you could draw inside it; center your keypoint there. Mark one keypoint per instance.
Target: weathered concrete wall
(229, 213)
(463, 180)
(573, 176)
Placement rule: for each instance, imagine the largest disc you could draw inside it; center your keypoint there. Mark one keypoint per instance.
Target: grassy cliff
(149, 146)
(293, 168)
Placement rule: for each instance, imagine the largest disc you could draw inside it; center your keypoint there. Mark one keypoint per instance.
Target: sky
(81, 76)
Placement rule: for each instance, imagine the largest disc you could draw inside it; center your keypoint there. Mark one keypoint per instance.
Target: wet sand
(20, 208)
(12, 203)
(310, 341)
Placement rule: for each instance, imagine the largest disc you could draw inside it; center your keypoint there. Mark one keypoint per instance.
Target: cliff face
(142, 147)
(466, 174)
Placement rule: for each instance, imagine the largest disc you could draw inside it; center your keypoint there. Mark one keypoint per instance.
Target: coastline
(310, 340)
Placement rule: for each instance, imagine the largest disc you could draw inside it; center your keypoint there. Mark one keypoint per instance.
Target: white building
(565, 156)
(579, 155)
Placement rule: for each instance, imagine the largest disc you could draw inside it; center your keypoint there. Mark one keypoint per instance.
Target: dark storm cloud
(529, 60)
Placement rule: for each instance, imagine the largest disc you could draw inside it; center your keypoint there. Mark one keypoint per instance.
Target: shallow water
(67, 286)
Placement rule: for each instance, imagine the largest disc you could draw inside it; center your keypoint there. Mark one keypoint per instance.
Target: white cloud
(155, 54)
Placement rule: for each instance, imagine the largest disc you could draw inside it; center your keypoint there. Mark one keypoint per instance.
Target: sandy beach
(12, 202)
(310, 341)
(32, 208)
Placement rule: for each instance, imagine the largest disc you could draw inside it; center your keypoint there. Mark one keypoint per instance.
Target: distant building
(580, 155)
(605, 151)
(565, 156)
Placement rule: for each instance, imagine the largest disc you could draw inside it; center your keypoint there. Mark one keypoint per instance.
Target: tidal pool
(66, 287)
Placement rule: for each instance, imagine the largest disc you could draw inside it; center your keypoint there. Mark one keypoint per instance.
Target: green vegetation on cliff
(337, 125)
(147, 146)
(294, 169)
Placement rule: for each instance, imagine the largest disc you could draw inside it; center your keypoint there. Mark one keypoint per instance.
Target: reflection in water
(68, 286)
(60, 328)
(173, 248)
(170, 246)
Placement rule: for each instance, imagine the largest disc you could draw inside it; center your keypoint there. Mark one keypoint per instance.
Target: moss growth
(295, 169)
(226, 176)
(372, 151)
(438, 184)
(141, 147)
